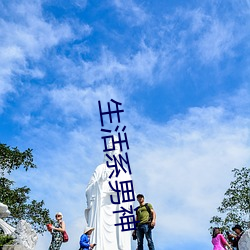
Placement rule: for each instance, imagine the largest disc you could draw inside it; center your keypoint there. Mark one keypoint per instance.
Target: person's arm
(232, 235)
(224, 242)
(229, 246)
(136, 218)
(154, 217)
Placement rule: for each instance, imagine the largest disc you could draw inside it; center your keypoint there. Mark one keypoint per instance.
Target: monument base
(12, 247)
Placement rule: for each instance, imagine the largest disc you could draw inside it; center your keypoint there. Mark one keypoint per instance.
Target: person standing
(239, 231)
(144, 227)
(85, 238)
(218, 240)
(56, 231)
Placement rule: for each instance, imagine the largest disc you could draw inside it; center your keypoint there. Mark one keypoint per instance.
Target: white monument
(99, 213)
(4, 212)
(24, 236)
(244, 242)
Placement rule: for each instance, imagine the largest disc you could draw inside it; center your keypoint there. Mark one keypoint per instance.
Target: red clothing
(219, 242)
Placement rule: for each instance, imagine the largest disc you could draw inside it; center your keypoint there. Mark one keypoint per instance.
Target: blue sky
(181, 71)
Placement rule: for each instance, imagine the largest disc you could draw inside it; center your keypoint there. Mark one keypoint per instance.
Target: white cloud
(81, 102)
(121, 71)
(217, 42)
(240, 101)
(105, 69)
(198, 19)
(80, 3)
(10, 57)
(25, 35)
(191, 34)
(184, 168)
(143, 63)
(131, 12)
(31, 33)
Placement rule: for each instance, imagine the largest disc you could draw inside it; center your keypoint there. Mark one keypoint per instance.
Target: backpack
(150, 218)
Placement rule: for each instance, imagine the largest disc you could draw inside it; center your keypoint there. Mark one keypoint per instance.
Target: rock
(244, 242)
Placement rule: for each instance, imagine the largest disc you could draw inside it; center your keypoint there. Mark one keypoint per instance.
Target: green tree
(17, 199)
(235, 207)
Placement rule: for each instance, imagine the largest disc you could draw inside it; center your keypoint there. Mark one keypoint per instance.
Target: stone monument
(25, 237)
(99, 213)
(4, 212)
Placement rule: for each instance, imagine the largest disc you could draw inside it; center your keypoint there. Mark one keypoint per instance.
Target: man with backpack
(146, 217)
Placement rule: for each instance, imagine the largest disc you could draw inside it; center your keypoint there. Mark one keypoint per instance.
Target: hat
(59, 213)
(88, 229)
(237, 227)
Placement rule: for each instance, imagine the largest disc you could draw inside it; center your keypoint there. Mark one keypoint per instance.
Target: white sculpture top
(244, 242)
(4, 212)
(23, 234)
(99, 213)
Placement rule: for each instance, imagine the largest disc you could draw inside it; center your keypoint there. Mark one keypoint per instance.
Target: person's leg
(51, 247)
(57, 244)
(140, 231)
(149, 238)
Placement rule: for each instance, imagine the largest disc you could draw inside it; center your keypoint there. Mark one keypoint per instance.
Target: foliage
(11, 159)
(17, 199)
(6, 240)
(236, 204)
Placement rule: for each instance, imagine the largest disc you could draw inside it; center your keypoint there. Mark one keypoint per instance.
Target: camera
(134, 235)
